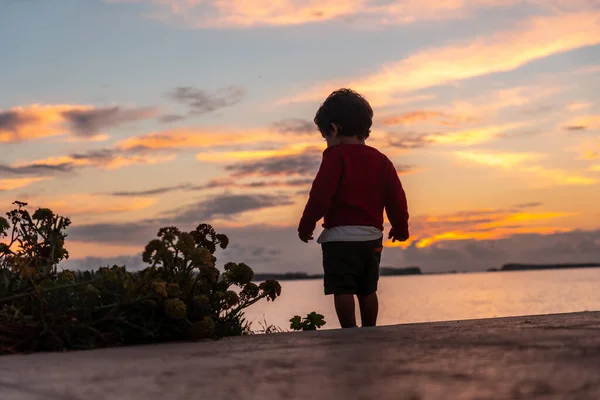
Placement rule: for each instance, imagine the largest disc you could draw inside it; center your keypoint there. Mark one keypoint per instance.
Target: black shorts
(351, 267)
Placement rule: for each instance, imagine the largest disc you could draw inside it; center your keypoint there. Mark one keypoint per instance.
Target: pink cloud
(500, 52)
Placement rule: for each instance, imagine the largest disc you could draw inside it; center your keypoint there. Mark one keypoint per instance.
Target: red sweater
(354, 185)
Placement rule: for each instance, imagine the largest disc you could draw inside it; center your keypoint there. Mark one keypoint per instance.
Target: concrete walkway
(541, 357)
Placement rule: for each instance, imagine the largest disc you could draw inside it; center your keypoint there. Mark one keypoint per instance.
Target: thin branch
(246, 305)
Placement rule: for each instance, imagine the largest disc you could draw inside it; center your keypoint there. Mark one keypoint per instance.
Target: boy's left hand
(305, 237)
(396, 238)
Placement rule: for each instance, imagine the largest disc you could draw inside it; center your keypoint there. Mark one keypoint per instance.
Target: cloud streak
(252, 13)
(33, 122)
(225, 206)
(295, 126)
(412, 117)
(297, 164)
(409, 140)
(584, 123)
(475, 135)
(17, 183)
(219, 183)
(524, 163)
(198, 138)
(485, 224)
(465, 137)
(92, 122)
(576, 106)
(85, 204)
(25, 123)
(104, 158)
(162, 147)
(35, 168)
(200, 102)
(500, 52)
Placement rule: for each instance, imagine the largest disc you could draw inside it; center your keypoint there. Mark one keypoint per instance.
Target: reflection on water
(405, 299)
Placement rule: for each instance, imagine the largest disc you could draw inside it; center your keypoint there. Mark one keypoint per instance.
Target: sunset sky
(129, 115)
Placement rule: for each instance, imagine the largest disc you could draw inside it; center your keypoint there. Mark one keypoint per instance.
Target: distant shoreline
(388, 271)
(302, 276)
(529, 267)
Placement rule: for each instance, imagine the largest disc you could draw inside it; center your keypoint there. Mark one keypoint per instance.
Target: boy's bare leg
(344, 307)
(369, 308)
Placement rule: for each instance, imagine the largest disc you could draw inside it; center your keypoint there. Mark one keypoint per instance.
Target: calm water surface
(406, 299)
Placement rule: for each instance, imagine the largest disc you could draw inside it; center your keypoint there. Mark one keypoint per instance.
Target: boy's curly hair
(349, 111)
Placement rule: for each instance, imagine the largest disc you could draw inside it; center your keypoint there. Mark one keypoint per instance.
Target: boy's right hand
(305, 237)
(395, 237)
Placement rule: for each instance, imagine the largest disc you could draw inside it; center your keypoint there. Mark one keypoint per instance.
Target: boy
(353, 186)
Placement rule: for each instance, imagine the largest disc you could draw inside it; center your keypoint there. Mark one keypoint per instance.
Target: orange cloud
(479, 225)
(368, 13)
(559, 177)
(205, 138)
(413, 117)
(248, 13)
(150, 149)
(34, 122)
(501, 160)
(246, 155)
(500, 52)
(98, 138)
(474, 136)
(411, 140)
(529, 217)
(495, 234)
(518, 162)
(17, 183)
(88, 204)
(81, 121)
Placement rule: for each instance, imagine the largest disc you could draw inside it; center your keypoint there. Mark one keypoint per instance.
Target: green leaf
(296, 323)
(315, 319)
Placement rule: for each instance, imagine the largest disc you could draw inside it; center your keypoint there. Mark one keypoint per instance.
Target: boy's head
(344, 114)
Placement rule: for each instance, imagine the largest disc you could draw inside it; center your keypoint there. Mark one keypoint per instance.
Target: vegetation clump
(181, 295)
(311, 322)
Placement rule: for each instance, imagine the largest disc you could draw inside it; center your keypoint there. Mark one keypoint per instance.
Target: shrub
(181, 295)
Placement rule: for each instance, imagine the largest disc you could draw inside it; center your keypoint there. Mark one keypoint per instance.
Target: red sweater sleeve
(323, 188)
(396, 205)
